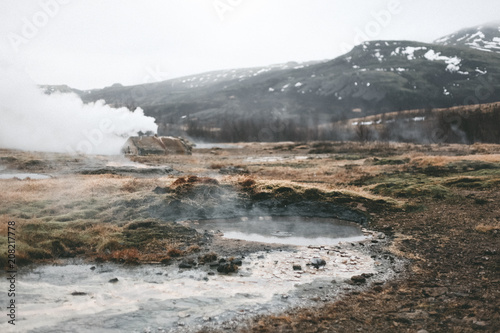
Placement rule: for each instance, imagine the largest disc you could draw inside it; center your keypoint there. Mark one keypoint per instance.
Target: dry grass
(443, 160)
(484, 228)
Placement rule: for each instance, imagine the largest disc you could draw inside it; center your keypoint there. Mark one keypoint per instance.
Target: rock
(166, 261)
(317, 262)
(227, 268)
(237, 262)
(185, 265)
(367, 275)
(358, 279)
(114, 280)
(422, 331)
(210, 273)
(78, 293)
(214, 264)
(92, 268)
(297, 267)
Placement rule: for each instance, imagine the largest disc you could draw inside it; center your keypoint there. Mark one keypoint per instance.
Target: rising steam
(32, 120)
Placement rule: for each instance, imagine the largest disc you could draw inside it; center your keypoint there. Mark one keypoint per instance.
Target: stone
(237, 262)
(185, 265)
(297, 267)
(114, 280)
(358, 279)
(317, 262)
(78, 293)
(227, 268)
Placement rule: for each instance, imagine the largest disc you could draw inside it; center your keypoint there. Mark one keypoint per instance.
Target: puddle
(164, 298)
(275, 159)
(301, 231)
(23, 176)
(217, 145)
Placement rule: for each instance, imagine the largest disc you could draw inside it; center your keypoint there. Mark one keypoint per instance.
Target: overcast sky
(95, 43)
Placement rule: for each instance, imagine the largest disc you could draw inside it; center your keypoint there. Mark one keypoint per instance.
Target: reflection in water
(302, 231)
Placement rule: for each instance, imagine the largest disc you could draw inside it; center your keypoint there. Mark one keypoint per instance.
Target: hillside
(485, 38)
(374, 77)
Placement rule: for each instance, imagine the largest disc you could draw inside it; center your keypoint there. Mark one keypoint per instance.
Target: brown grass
(484, 228)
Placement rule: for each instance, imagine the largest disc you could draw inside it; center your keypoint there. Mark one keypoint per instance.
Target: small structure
(156, 145)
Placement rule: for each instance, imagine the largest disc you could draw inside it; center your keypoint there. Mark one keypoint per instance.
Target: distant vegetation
(467, 125)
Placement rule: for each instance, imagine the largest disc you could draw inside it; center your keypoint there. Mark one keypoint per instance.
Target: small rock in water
(317, 262)
(92, 268)
(227, 268)
(237, 262)
(114, 280)
(78, 293)
(297, 267)
(185, 265)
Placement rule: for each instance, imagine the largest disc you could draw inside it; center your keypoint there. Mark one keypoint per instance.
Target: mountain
(374, 77)
(485, 38)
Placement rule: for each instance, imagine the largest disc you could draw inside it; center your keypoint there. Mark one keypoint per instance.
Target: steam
(31, 120)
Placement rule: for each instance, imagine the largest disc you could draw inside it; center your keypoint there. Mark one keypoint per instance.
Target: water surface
(23, 176)
(301, 231)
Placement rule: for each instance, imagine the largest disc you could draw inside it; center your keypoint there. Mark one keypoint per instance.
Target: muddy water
(154, 298)
(300, 231)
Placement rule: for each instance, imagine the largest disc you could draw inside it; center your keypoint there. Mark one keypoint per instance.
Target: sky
(95, 43)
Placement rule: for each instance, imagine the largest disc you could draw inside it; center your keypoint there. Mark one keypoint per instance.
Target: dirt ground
(439, 205)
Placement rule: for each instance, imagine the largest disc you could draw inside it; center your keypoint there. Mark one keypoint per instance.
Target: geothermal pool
(80, 297)
(290, 230)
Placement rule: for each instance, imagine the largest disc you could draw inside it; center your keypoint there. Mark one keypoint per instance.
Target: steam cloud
(31, 120)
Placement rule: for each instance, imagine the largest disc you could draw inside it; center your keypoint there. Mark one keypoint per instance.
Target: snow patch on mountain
(453, 63)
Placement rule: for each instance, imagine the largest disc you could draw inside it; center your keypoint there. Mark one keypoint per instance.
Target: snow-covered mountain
(485, 38)
(374, 77)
